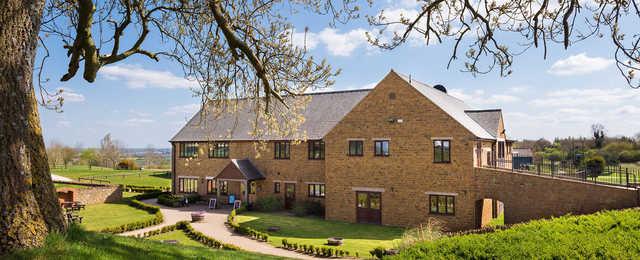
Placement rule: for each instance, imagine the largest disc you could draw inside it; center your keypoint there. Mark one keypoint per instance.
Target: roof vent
(441, 88)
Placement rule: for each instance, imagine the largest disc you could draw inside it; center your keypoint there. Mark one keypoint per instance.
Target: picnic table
(73, 206)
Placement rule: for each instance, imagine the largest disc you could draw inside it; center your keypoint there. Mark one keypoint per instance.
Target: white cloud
(137, 121)
(63, 124)
(187, 110)
(579, 64)
(336, 43)
(479, 99)
(589, 97)
(70, 96)
(137, 77)
(308, 40)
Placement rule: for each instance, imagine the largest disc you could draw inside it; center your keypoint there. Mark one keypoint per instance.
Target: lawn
(100, 216)
(177, 235)
(80, 244)
(604, 235)
(358, 238)
(156, 178)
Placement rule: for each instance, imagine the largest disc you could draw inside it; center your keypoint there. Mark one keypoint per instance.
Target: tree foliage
(483, 31)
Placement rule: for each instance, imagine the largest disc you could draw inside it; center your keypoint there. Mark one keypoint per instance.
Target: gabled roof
(240, 169)
(452, 106)
(488, 119)
(322, 113)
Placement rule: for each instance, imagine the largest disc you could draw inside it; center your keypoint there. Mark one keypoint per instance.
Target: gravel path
(214, 226)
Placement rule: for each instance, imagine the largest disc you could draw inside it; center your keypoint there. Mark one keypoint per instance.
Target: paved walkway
(59, 178)
(214, 226)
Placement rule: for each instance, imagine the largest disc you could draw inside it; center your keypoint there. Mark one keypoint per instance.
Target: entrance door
(289, 195)
(368, 207)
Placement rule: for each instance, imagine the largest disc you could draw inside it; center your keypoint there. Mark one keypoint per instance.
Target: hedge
(319, 251)
(198, 236)
(136, 203)
(247, 231)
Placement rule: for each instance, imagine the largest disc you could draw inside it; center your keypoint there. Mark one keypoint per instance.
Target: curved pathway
(214, 226)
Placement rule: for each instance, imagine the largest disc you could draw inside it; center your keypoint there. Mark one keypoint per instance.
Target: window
(189, 150)
(219, 150)
(281, 150)
(441, 151)
(224, 187)
(276, 187)
(355, 148)
(187, 185)
(316, 150)
(442, 204)
(316, 190)
(500, 150)
(211, 186)
(253, 186)
(381, 148)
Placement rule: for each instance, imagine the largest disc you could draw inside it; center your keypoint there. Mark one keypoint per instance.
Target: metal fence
(609, 175)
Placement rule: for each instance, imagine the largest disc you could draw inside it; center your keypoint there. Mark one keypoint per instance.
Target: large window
(316, 150)
(187, 185)
(316, 190)
(442, 204)
(276, 187)
(356, 148)
(224, 187)
(211, 186)
(381, 147)
(442, 151)
(281, 149)
(500, 150)
(219, 150)
(188, 150)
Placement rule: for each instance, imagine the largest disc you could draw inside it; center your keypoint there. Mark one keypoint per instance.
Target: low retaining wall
(528, 197)
(91, 194)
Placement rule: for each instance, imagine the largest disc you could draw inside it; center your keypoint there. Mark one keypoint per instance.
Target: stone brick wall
(409, 173)
(528, 197)
(91, 194)
(298, 168)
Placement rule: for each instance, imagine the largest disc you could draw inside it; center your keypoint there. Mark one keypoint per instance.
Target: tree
(598, 135)
(90, 156)
(151, 158)
(109, 151)
(68, 154)
(54, 152)
(481, 30)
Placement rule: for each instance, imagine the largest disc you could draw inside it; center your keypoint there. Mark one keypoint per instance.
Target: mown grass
(177, 235)
(358, 238)
(99, 216)
(604, 235)
(80, 244)
(156, 178)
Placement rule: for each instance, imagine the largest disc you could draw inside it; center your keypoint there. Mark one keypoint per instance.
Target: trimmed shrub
(127, 164)
(268, 204)
(595, 166)
(192, 234)
(308, 207)
(157, 219)
(170, 200)
(378, 252)
(629, 156)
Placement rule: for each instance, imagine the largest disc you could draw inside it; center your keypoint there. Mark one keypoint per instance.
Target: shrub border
(136, 203)
(193, 234)
(247, 231)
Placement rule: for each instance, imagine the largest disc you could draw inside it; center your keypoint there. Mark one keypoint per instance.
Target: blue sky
(142, 102)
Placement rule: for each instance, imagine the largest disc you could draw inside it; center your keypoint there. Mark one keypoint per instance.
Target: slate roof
(454, 107)
(322, 113)
(488, 119)
(247, 169)
(522, 152)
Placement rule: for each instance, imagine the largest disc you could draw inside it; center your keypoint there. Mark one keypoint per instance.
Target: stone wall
(528, 197)
(91, 194)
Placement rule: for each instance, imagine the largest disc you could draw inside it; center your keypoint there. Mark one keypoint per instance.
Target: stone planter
(334, 241)
(197, 216)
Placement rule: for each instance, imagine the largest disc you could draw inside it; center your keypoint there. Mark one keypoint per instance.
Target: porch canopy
(239, 170)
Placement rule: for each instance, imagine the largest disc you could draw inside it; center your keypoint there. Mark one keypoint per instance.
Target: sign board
(237, 204)
(212, 203)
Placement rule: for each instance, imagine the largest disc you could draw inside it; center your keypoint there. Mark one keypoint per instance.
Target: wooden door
(289, 195)
(369, 207)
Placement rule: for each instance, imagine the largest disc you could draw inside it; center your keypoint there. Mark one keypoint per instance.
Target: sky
(142, 102)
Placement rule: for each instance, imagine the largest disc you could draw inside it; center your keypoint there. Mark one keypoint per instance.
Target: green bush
(308, 207)
(268, 204)
(127, 164)
(594, 166)
(629, 156)
(604, 235)
(170, 200)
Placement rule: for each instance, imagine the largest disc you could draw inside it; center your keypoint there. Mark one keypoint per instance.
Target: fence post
(627, 173)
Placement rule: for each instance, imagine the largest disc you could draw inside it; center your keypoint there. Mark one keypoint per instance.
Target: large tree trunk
(28, 205)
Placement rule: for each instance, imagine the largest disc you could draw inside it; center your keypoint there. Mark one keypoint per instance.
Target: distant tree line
(108, 155)
(581, 150)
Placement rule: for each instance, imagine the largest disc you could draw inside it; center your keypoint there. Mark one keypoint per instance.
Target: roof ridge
(483, 110)
(336, 92)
